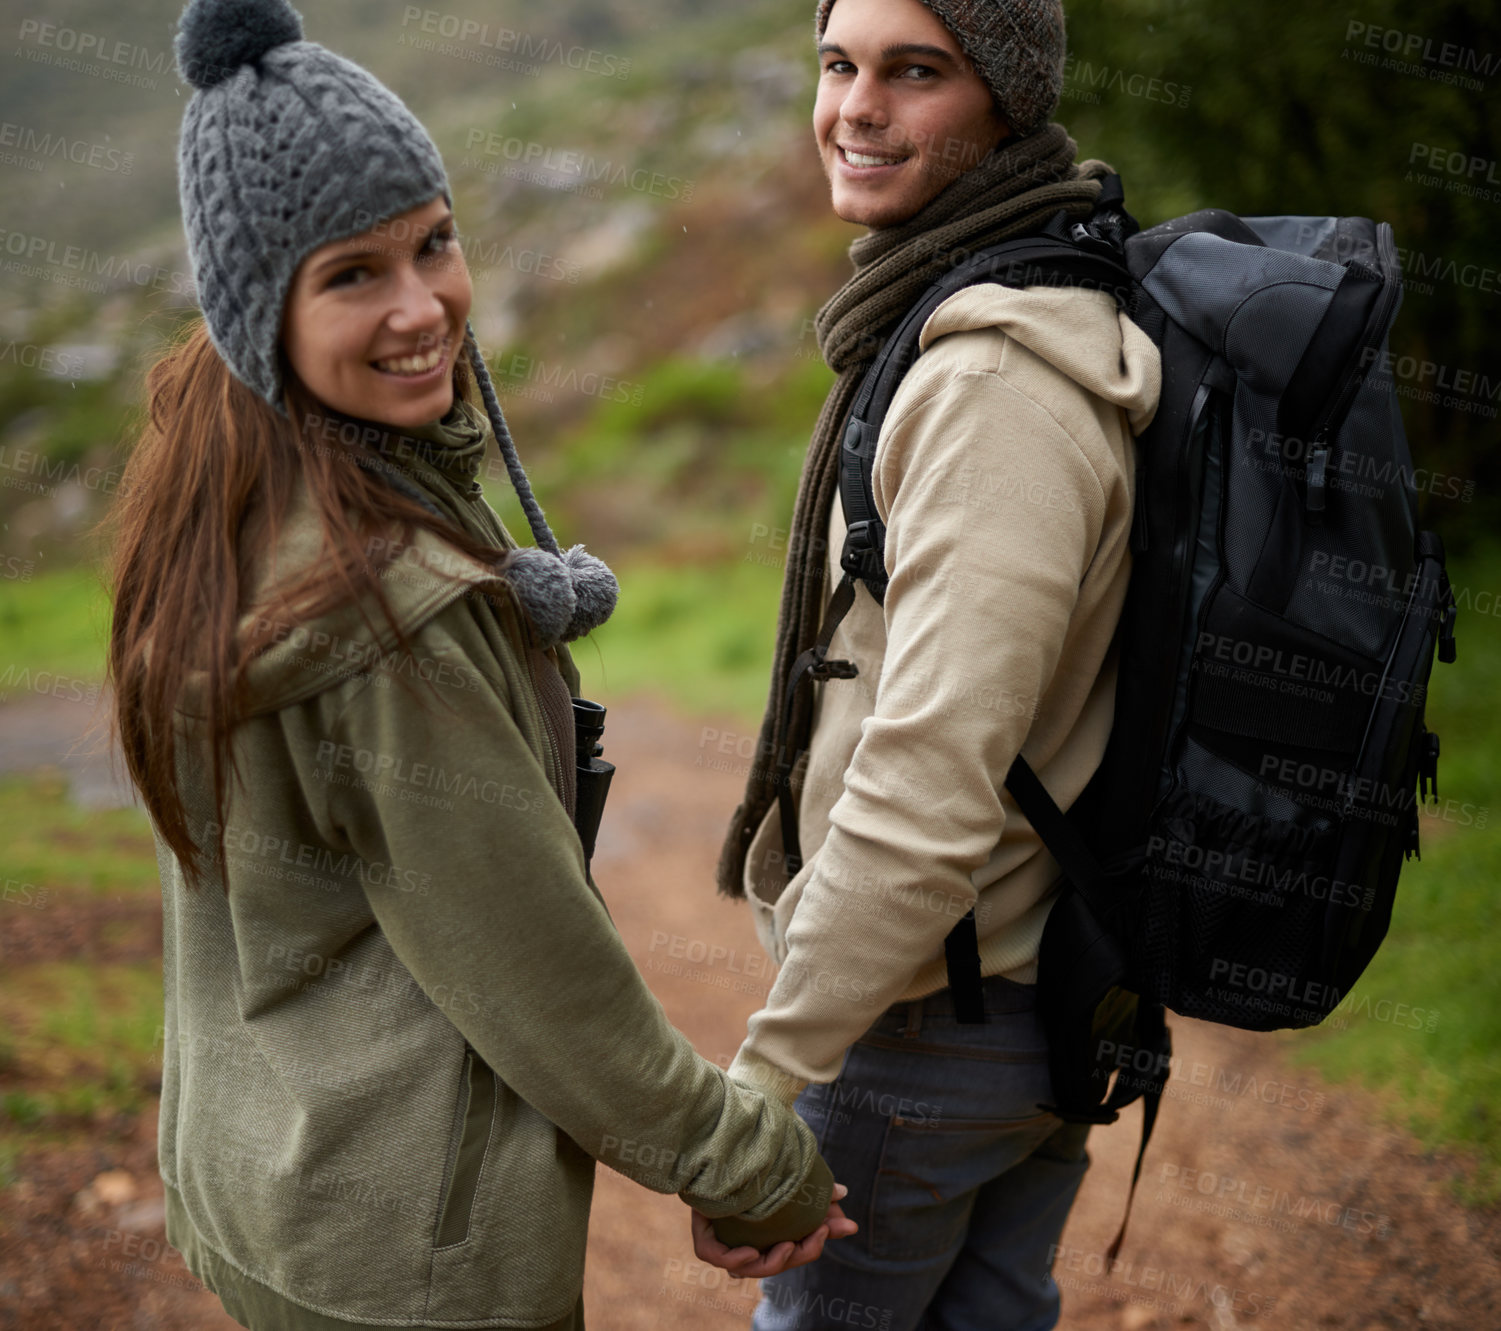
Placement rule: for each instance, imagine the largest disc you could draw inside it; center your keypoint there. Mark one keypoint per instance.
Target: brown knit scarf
(1012, 192)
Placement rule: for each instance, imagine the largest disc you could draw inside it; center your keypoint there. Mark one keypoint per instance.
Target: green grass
(698, 635)
(78, 1040)
(1423, 1025)
(86, 1006)
(82, 1042)
(55, 849)
(54, 628)
(9, 1151)
(708, 447)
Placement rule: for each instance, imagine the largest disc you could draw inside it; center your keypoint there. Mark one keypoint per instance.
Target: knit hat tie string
(566, 593)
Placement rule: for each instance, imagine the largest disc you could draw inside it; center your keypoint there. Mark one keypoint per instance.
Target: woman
(400, 1027)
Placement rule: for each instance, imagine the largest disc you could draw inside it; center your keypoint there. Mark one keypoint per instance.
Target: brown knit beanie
(1016, 46)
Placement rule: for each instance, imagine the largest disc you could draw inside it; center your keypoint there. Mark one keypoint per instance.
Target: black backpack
(1257, 797)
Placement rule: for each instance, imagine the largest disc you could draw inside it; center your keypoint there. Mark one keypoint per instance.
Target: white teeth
(861, 159)
(412, 364)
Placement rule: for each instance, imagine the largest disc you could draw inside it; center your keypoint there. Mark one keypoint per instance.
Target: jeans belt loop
(913, 1028)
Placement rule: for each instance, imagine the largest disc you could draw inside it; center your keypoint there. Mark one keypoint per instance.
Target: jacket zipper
(556, 775)
(482, 511)
(455, 1136)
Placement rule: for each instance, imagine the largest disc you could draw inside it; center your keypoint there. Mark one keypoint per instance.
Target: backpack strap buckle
(863, 557)
(1088, 238)
(827, 670)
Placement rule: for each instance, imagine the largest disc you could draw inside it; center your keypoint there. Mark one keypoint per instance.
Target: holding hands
(749, 1263)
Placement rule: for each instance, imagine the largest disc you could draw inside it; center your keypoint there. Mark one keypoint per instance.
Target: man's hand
(749, 1264)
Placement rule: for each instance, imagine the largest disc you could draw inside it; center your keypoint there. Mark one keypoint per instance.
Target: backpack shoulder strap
(1064, 254)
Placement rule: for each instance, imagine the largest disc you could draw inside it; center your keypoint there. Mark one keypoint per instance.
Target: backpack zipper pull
(1428, 766)
(1316, 480)
(1446, 645)
(1141, 527)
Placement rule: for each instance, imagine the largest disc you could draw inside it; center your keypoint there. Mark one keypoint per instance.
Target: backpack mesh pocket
(1237, 883)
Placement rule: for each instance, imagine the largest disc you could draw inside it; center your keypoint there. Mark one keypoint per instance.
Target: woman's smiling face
(374, 322)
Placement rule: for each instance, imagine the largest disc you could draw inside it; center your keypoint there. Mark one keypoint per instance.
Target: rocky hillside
(642, 212)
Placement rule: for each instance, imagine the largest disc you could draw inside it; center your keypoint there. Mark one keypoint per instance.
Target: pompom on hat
(213, 41)
(287, 147)
(1016, 46)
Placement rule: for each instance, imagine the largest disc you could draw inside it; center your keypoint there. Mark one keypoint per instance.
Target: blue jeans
(961, 1185)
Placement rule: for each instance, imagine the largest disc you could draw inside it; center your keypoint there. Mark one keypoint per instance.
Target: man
(1004, 474)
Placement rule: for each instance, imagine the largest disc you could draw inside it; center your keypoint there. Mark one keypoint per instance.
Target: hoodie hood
(1081, 333)
(353, 638)
(437, 464)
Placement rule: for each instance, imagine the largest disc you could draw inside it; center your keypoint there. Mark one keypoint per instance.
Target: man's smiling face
(901, 112)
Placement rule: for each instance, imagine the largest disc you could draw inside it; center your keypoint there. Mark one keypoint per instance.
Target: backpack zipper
(1353, 375)
(1183, 571)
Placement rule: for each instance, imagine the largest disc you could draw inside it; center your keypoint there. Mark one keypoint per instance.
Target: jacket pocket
(474, 1122)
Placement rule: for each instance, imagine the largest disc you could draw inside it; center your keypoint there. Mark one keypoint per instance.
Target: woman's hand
(750, 1264)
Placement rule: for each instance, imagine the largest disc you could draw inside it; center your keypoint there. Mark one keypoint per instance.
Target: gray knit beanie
(1016, 46)
(286, 147)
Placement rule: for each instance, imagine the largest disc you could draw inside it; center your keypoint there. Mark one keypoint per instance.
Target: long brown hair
(207, 486)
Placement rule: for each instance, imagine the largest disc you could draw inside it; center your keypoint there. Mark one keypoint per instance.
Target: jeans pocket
(929, 1171)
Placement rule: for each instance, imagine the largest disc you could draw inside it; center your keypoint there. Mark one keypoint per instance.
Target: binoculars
(594, 772)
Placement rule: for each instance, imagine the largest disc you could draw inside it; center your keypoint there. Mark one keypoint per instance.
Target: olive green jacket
(400, 1025)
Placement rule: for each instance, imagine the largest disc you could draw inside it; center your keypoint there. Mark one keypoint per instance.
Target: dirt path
(1268, 1198)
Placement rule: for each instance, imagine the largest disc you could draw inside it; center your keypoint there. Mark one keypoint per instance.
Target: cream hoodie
(1005, 476)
